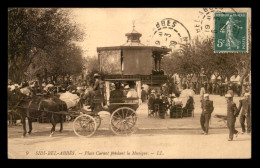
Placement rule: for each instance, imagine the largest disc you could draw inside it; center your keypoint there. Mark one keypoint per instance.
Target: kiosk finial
(133, 24)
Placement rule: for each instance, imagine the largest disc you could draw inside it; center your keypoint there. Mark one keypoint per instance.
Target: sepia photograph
(129, 83)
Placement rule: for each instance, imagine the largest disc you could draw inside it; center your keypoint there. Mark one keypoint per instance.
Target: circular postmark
(204, 23)
(170, 33)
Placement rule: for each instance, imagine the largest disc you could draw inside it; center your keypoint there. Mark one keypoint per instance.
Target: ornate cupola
(133, 38)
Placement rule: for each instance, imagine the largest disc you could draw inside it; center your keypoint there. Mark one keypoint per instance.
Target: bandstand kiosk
(132, 61)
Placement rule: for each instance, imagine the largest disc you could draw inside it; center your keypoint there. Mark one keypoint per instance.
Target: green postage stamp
(231, 32)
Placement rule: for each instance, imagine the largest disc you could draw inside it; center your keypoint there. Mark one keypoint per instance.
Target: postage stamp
(231, 32)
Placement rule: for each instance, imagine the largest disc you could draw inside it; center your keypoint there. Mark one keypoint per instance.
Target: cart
(123, 115)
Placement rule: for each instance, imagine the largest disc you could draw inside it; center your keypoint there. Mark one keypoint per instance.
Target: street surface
(155, 138)
(141, 145)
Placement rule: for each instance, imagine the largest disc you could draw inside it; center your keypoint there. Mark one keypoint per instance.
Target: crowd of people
(243, 110)
(87, 91)
(171, 102)
(218, 88)
(233, 111)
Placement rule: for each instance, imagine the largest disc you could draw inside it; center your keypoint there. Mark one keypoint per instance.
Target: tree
(198, 54)
(34, 33)
(92, 66)
(185, 61)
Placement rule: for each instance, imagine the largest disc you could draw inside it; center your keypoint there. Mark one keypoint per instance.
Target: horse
(33, 107)
(12, 116)
(28, 108)
(54, 107)
(18, 105)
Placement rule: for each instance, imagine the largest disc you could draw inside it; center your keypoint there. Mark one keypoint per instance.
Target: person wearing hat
(189, 104)
(132, 93)
(143, 94)
(230, 91)
(126, 88)
(172, 96)
(98, 91)
(159, 102)
(231, 116)
(151, 100)
(112, 87)
(207, 109)
(202, 92)
(245, 109)
(98, 83)
(177, 101)
(152, 94)
(117, 94)
(153, 91)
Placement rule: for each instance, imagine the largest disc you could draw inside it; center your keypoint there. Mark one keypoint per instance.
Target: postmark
(204, 22)
(231, 34)
(170, 33)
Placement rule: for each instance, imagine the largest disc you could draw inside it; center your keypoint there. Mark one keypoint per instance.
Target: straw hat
(228, 95)
(206, 95)
(96, 75)
(172, 95)
(247, 94)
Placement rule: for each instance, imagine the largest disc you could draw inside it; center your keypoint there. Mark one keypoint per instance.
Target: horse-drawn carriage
(123, 113)
(122, 121)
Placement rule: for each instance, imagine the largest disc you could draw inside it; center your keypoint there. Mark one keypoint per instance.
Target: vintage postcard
(129, 83)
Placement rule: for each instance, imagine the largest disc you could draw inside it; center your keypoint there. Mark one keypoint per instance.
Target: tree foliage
(41, 40)
(198, 54)
(92, 66)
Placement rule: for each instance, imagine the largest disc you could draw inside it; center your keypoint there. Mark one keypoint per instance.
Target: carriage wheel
(98, 120)
(123, 121)
(84, 125)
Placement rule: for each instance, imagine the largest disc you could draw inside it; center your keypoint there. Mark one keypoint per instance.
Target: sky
(107, 26)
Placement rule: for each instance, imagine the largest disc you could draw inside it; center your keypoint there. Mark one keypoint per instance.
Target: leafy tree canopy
(42, 39)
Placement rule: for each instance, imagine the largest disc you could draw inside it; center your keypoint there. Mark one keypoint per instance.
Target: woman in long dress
(231, 41)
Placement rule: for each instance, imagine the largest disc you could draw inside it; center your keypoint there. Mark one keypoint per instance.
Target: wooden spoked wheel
(97, 119)
(84, 125)
(123, 121)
